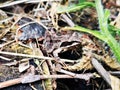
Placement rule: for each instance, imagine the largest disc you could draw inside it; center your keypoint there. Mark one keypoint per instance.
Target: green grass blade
(81, 1)
(114, 30)
(103, 23)
(103, 16)
(93, 32)
(100, 11)
(74, 7)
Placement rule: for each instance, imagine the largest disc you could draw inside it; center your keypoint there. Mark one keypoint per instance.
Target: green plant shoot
(104, 33)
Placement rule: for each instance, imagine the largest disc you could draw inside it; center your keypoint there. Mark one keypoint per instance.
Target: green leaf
(104, 33)
(81, 1)
(74, 7)
(114, 31)
(103, 23)
(93, 32)
(106, 15)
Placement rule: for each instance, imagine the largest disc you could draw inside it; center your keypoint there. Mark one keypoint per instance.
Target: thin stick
(32, 78)
(33, 56)
(10, 83)
(37, 1)
(22, 1)
(101, 70)
(68, 20)
(80, 76)
(6, 19)
(7, 59)
(5, 44)
(12, 3)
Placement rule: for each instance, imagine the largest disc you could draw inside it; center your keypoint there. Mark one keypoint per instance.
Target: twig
(12, 3)
(10, 83)
(4, 32)
(33, 78)
(68, 20)
(37, 1)
(7, 59)
(101, 71)
(80, 76)
(33, 56)
(5, 44)
(117, 73)
(38, 6)
(23, 1)
(6, 19)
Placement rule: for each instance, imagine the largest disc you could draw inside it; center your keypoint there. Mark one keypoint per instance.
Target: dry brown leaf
(115, 83)
(112, 63)
(85, 63)
(3, 15)
(24, 65)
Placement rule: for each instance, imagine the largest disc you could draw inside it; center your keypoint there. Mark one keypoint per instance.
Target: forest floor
(40, 51)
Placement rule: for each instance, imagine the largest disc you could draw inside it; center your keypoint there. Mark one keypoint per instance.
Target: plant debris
(42, 48)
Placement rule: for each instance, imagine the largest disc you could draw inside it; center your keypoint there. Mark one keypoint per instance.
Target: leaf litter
(35, 47)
